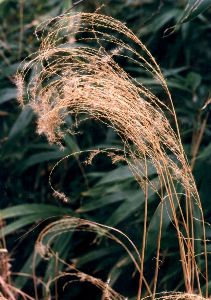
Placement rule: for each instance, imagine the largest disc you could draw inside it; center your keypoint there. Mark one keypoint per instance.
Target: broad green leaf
(71, 143)
(171, 83)
(118, 268)
(42, 157)
(160, 21)
(122, 173)
(193, 80)
(205, 153)
(101, 191)
(36, 214)
(22, 222)
(193, 9)
(173, 72)
(30, 209)
(43, 146)
(167, 218)
(97, 254)
(67, 4)
(130, 205)
(119, 174)
(126, 209)
(7, 94)
(101, 202)
(10, 70)
(61, 244)
(20, 281)
(21, 123)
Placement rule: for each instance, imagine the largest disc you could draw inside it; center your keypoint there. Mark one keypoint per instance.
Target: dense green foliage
(180, 40)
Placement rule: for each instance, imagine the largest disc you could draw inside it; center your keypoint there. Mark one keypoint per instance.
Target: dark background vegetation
(111, 196)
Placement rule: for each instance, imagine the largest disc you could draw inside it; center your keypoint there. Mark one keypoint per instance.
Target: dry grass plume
(81, 76)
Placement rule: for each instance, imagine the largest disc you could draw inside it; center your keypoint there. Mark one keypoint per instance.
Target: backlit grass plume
(80, 76)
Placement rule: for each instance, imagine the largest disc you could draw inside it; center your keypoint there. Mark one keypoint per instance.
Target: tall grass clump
(74, 73)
